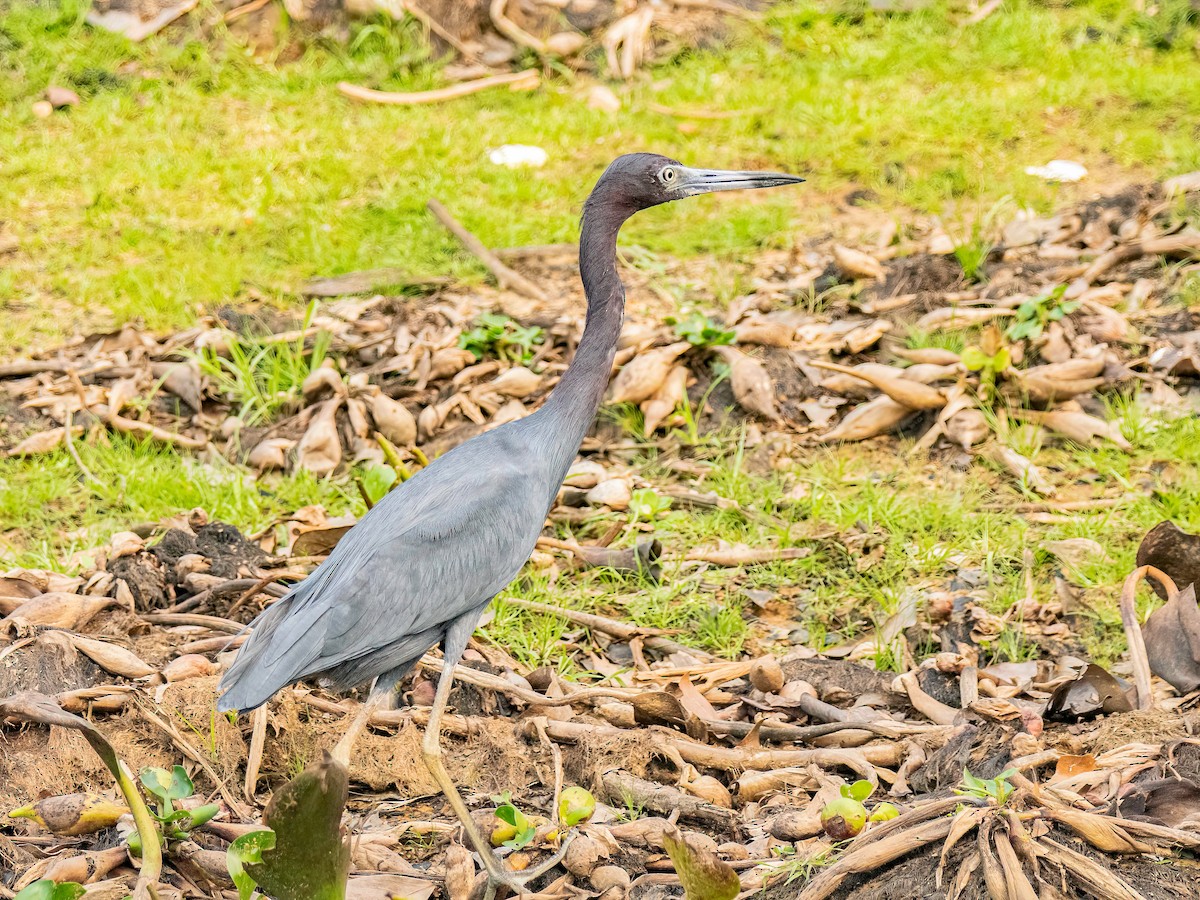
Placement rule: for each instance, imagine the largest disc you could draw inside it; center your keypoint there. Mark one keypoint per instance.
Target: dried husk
(615, 493)
(967, 428)
(854, 264)
(393, 420)
(871, 419)
(324, 377)
(1078, 426)
(59, 610)
(190, 665)
(517, 382)
(320, 449)
(643, 375)
(665, 399)
(960, 317)
(766, 674)
(270, 455)
(42, 442)
(752, 386)
(1020, 466)
(1047, 389)
(909, 393)
(112, 657)
(936, 356)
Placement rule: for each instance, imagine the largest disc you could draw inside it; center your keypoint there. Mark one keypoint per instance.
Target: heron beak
(706, 181)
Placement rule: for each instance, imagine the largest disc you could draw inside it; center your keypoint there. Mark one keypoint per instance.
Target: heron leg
(431, 751)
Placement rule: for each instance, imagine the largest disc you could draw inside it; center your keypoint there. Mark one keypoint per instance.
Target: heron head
(642, 180)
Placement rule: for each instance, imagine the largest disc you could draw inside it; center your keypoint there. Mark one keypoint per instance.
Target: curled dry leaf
(1173, 551)
(1172, 637)
(112, 657)
(516, 382)
(643, 375)
(59, 610)
(449, 361)
(1021, 467)
(42, 442)
(183, 380)
(585, 474)
(1095, 691)
(510, 412)
(190, 665)
(271, 454)
(753, 388)
(910, 393)
(936, 356)
(429, 420)
(320, 449)
(871, 419)
(967, 428)
(393, 420)
(665, 400)
(324, 377)
(1078, 426)
(960, 317)
(356, 412)
(1048, 389)
(855, 264)
(615, 493)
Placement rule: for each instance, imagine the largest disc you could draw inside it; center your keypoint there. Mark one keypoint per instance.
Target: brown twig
(517, 81)
(1133, 630)
(505, 276)
(512, 30)
(610, 627)
(145, 429)
(214, 623)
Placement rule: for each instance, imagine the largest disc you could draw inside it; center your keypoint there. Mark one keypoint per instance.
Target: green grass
(193, 174)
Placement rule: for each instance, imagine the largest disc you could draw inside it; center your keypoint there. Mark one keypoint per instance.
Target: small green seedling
(575, 805)
(700, 331)
(498, 336)
(247, 849)
(515, 829)
(168, 786)
(376, 480)
(49, 890)
(990, 358)
(645, 505)
(1037, 312)
(997, 790)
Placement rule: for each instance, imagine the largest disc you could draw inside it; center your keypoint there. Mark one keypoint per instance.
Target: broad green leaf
(859, 790)
(377, 480)
(247, 849)
(311, 857)
(202, 814)
(974, 358)
(49, 890)
(168, 785)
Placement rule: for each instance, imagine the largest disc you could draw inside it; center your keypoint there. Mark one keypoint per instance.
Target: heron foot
(499, 877)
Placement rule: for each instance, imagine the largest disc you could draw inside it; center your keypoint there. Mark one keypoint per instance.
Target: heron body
(420, 568)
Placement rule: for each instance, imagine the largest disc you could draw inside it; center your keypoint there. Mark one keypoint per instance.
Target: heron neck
(572, 407)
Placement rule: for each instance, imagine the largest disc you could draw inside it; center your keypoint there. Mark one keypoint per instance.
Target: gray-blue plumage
(435, 549)
(421, 567)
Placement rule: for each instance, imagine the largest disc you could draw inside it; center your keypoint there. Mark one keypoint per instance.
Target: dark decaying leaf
(311, 857)
(1173, 551)
(1095, 691)
(1173, 802)
(661, 708)
(643, 559)
(1172, 636)
(318, 541)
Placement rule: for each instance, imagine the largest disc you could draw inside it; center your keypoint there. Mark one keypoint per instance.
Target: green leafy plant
(990, 357)
(247, 850)
(376, 480)
(50, 890)
(700, 331)
(520, 830)
(1037, 312)
(167, 787)
(645, 505)
(997, 790)
(261, 375)
(972, 256)
(498, 336)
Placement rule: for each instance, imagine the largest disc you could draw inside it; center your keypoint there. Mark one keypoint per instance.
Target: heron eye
(667, 175)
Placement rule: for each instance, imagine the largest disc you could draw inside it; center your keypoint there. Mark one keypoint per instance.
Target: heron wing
(443, 543)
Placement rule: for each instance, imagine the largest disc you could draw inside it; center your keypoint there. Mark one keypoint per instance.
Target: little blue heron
(424, 563)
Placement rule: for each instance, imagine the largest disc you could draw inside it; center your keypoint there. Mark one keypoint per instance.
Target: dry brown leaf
(42, 442)
(907, 392)
(665, 400)
(320, 449)
(393, 420)
(871, 419)
(271, 454)
(643, 375)
(112, 657)
(752, 386)
(59, 610)
(855, 264)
